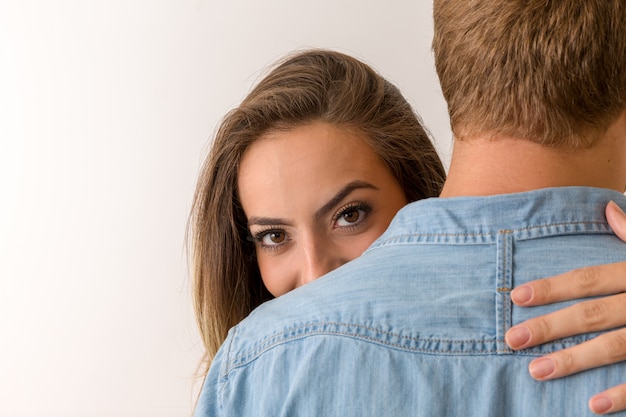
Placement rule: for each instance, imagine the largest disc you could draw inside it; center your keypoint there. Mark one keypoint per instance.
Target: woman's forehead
(306, 165)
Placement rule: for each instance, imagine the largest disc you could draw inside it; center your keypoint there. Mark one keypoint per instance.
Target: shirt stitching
(250, 356)
(393, 239)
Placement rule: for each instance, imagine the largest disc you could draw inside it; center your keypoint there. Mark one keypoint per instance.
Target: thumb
(617, 219)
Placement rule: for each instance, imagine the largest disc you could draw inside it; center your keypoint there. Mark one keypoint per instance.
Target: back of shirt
(415, 327)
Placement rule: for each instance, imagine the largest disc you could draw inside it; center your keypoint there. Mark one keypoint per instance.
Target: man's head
(553, 72)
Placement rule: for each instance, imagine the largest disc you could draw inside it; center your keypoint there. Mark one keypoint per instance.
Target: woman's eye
(351, 216)
(273, 238)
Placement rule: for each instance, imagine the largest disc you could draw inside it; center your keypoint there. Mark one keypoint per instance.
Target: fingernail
(541, 368)
(522, 295)
(600, 404)
(617, 207)
(517, 337)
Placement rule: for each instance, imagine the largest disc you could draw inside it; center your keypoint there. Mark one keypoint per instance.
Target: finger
(582, 282)
(578, 283)
(609, 401)
(617, 219)
(584, 317)
(603, 350)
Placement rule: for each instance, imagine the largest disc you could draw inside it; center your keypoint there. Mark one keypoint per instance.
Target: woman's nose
(319, 259)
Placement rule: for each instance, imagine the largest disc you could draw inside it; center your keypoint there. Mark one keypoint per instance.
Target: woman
(333, 98)
(310, 86)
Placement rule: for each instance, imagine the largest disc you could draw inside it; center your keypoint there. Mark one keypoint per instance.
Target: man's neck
(483, 166)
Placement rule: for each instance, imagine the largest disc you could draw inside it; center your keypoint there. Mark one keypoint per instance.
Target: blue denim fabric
(415, 326)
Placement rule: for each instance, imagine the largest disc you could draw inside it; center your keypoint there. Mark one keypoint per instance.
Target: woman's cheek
(275, 275)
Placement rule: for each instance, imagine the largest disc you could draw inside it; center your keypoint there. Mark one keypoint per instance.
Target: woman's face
(315, 198)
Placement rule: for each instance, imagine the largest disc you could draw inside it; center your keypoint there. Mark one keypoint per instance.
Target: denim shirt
(415, 326)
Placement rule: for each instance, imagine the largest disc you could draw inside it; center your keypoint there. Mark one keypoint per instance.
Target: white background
(106, 111)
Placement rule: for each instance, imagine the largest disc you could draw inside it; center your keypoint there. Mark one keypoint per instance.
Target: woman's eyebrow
(267, 221)
(354, 185)
(341, 194)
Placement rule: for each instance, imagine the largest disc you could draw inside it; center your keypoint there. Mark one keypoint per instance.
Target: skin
(315, 197)
(598, 314)
(588, 316)
(309, 245)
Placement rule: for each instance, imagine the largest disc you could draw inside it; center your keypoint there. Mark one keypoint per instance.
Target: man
(416, 326)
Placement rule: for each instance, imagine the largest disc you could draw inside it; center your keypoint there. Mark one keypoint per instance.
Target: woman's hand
(588, 316)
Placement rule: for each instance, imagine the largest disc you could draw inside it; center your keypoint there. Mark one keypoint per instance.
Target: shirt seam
(251, 355)
(604, 228)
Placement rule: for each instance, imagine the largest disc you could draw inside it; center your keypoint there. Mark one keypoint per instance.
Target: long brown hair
(315, 85)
